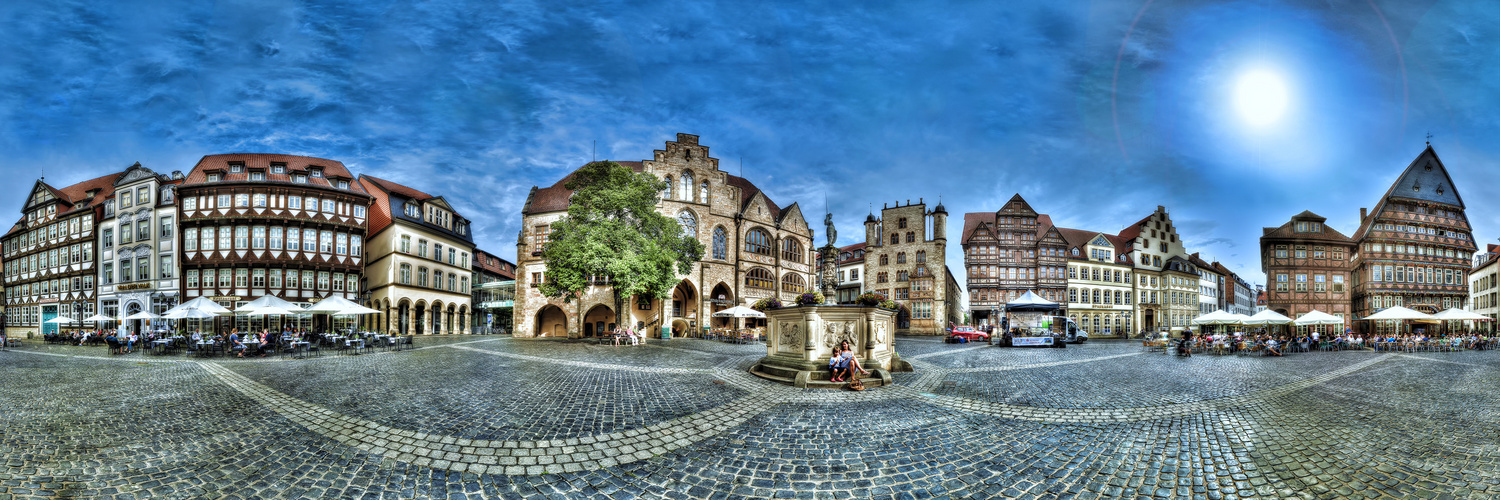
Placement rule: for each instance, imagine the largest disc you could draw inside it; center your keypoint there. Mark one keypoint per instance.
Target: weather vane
(1429, 138)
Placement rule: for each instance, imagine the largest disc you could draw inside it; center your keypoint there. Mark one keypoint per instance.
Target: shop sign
(133, 286)
(1030, 341)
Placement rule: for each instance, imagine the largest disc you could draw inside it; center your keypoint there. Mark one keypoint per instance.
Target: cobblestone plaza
(495, 417)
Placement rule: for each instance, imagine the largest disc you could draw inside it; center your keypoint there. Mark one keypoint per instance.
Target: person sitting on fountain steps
(844, 363)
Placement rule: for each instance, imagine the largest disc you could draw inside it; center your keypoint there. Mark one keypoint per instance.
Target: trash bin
(666, 332)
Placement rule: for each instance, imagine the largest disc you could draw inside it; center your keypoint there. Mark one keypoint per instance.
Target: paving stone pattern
(499, 418)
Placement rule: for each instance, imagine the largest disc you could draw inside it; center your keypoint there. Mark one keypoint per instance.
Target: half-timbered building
(49, 256)
(270, 224)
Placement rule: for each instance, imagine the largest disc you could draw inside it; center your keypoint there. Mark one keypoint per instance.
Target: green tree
(613, 233)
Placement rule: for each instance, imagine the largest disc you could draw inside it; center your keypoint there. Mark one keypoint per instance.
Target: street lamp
(78, 313)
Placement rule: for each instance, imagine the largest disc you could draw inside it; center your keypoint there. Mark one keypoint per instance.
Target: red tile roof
(397, 188)
(331, 169)
(484, 259)
(380, 210)
(1288, 230)
(972, 221)
(75, 197)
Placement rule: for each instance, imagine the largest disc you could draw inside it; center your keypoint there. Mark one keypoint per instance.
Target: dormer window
(299, 178)
(235, 168)
(214, 177)
(257, 176)
(315, 172)
(343, 184)
(278, 168)
(412, 211)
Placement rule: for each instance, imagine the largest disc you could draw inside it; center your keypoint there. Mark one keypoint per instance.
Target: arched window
(895, 238)
(900, 257)
(703, 192)
(689, 223)
(791, 250)
(405, 274)
(901, 223)
(921, 256)
(437, 279)
(667, 194)
(757, 241)
(911, 237)
(793, 283)
(687, 186)
(422, 276)
(721, 243)
(760, 278)
(885, 260)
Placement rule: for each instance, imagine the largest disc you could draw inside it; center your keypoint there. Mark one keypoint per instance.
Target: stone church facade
(753, 249)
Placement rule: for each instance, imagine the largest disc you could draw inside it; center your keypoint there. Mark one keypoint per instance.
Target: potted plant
(889, 305)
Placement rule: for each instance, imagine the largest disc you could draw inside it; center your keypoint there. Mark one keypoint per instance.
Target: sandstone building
(754, 249)
(905, 260)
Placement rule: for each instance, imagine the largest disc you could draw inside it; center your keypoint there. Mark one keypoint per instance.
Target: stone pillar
(829, 280)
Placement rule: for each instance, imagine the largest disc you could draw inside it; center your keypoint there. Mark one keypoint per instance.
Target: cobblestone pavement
(493, 417)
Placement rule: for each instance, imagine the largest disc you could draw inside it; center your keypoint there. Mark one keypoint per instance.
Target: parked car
(962, 334)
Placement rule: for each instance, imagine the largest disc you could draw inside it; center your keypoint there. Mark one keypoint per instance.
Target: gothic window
(667, 194)
(689, 223)
(885, 260)
(721, 243)
(900, 257)
(687, 186)
(921, 256)
(793, 283)
(757, 241)
(901, 223)
(759, 278)
(703, 192)
(911, 237)
(791, 250)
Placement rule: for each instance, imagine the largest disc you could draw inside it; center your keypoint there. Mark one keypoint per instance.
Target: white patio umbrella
(200, 303)
(1219, 317)
(60, 320)
(140, 315)
(1318, 318)
(331, 305)
(1456, 314)
(98, 317)
(268, 311)
(1267, 317)
(1397, 313)
(188, 314)
(269, 301)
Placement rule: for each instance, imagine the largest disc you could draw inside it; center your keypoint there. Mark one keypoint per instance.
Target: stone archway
(403, 317)
(419, 318)
(600, 320)
(721, 298)
(551, 321)
(682, 316)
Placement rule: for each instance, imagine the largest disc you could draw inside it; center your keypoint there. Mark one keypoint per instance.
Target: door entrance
(49, 312)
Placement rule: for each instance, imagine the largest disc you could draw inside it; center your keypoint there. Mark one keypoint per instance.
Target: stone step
(779, 375)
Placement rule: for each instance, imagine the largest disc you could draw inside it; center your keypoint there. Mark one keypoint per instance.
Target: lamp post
(78, 313)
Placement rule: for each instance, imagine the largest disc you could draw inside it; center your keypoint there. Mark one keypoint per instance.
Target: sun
(1260, 97)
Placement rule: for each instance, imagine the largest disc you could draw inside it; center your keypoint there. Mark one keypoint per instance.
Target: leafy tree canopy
(613, 232)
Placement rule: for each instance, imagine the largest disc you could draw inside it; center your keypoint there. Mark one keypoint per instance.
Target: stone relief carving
(877, 333)
(791, 336)
(837, 332)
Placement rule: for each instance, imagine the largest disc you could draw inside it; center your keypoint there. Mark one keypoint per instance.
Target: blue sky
(1096, 112)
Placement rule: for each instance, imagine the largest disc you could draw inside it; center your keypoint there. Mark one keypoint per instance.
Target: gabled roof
(1288, 230)
(1024, 210)
(555, 198)
(383, 213)
(853, 256)
(1202, 264)
(972, 221)
(1422, 180)
(263, 161)
(1078, 238)
(1133, 231)
(482, 260)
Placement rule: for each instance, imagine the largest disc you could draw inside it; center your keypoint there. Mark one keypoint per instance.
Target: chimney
(1361, 215)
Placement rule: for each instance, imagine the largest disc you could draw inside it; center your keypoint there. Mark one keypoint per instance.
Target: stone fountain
(800, 340)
